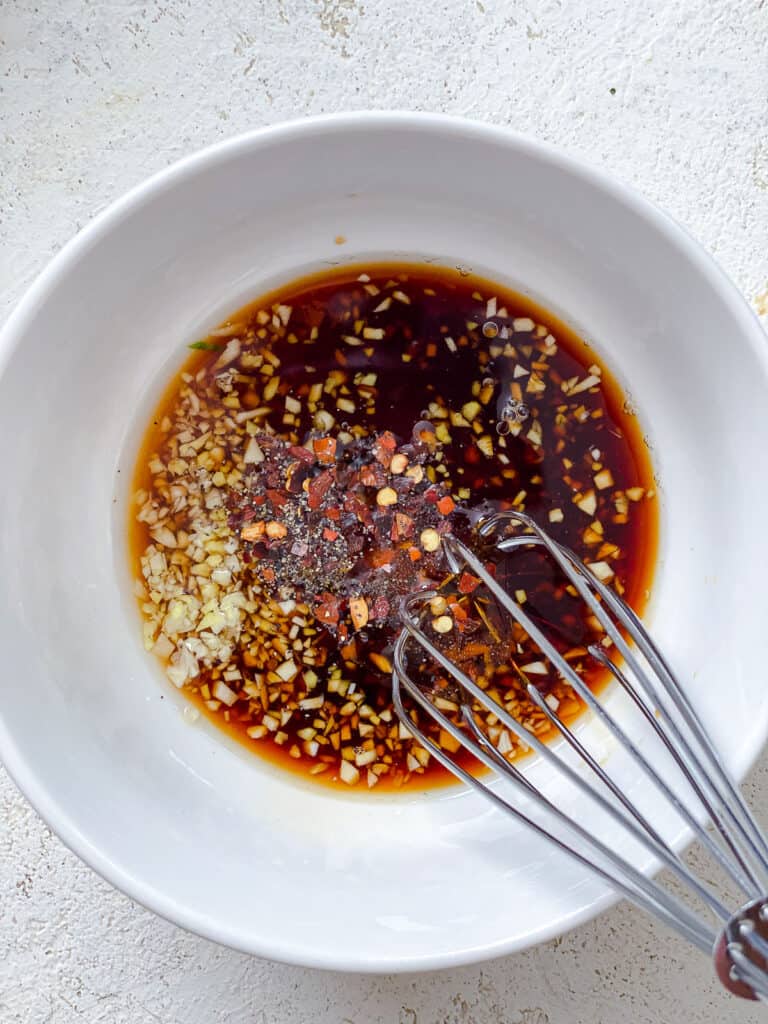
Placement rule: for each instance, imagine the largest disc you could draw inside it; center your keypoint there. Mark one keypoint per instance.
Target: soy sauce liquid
(438, 346)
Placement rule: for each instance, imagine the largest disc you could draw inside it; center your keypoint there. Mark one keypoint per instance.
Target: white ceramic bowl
(198, 831)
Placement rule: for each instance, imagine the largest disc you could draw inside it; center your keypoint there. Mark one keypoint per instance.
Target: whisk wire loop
(736, 843)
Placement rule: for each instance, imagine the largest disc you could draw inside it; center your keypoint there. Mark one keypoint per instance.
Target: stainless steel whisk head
(671, 731)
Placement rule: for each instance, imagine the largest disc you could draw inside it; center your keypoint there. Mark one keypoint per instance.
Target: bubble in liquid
(490, 329)
(515, 411)
(423, 432)
(502, 427)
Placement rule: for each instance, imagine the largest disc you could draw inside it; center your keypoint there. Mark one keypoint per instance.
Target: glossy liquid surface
(489, 401)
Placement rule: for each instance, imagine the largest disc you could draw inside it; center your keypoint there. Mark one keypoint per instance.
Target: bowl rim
(23, 773)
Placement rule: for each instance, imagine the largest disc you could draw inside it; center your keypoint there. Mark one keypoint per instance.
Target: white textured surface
(93, 98)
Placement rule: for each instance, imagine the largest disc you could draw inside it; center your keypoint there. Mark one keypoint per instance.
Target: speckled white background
(95, 96)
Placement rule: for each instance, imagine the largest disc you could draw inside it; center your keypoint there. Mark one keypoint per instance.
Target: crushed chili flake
(467, 583)
(445, 505)
(345, 558)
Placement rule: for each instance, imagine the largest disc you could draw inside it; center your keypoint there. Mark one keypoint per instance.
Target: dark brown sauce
(436, 347)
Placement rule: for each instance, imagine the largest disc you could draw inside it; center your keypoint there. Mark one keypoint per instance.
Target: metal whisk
(703, 790)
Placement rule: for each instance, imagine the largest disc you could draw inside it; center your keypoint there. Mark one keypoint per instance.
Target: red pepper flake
(458, 612)
(446, 505)
(380, 607)
(325, 449)
(318, 488)
(333, 514)
(384, 448)
(301, 453)
(402, 527)
(330, 534)
(268, 575)
(471, 455)
(387, 440)
(327, 611)
(404, 524)
(371, 476)
(468, 583)
(414, 554)
(383, 557)
(277, 498)
(431, 496)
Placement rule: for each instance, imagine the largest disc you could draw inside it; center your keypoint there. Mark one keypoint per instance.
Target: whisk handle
(741, 952)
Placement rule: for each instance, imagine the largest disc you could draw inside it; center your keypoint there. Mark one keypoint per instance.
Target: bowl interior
(201, 833)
